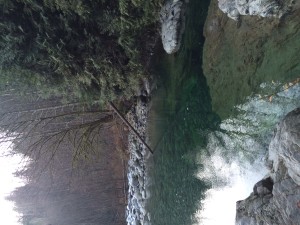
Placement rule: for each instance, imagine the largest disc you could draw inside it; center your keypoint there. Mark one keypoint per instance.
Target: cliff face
(275, 200)
(239, 56)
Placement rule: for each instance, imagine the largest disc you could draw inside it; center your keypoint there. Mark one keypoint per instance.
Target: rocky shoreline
(172, 28)
(137, 173)
(172, 20)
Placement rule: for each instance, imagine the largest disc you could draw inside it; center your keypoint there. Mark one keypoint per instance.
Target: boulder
(172, 25)
(276, 199)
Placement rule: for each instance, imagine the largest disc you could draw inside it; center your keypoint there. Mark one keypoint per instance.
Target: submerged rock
(276, 200)
(264, 8)
(172, 25)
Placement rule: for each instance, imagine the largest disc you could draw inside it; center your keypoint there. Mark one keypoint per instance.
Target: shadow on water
(180, 119)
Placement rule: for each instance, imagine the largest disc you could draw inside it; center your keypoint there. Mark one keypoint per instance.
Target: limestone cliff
(276, 199)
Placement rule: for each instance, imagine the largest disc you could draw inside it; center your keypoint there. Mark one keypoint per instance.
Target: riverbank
(275, 199)
(137, 171)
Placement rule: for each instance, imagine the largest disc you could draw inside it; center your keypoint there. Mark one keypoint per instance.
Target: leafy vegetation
(80, 48)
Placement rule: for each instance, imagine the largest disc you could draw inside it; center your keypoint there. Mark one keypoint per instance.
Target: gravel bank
(138, 179)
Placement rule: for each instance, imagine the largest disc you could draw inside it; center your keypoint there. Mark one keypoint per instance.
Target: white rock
(264, 8)
(172, 25)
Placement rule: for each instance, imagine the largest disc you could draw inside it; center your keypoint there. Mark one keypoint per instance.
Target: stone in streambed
(172, 25)
(263, 8)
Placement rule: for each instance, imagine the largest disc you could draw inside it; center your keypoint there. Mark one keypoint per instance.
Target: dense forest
(60, 62)
(80, 48)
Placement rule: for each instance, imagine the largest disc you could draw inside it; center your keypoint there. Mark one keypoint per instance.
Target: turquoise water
(179, 123)
(198, 158)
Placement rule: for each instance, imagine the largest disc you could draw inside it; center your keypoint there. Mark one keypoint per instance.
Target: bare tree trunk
(131, 127)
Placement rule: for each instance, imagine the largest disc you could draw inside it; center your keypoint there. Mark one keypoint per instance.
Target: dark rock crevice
(263, 187)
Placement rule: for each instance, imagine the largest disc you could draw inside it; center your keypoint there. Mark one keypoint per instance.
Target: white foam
(236, 159)
(230, 183)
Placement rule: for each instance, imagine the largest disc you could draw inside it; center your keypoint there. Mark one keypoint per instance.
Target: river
(203, 162)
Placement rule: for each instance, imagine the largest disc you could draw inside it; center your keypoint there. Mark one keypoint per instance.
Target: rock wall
(172, 25)
(239, 56)
(264, 8)
(276, 199)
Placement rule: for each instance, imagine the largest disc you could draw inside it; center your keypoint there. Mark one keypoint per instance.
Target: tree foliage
(83, 48)
(85, 52)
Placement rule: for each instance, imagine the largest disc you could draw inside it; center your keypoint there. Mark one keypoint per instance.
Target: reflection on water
(181, 112)
(227, 157)
(201, 165)
(175, 192)
(237, 151)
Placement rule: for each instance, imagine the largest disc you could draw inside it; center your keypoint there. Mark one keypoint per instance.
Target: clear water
(202, 165)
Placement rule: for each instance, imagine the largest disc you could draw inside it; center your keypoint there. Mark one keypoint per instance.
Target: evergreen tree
(81, 48)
